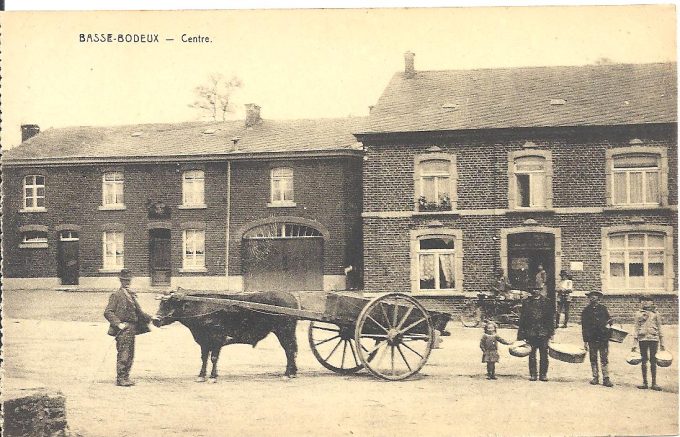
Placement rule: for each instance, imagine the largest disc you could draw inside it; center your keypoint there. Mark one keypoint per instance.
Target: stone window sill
(197, 206)
(117, 207)
(33, 210)
(530, 211)
(110, 270)
(193, 270)
(281, 204)
(33, 245)
(636, 208)
(431, 213)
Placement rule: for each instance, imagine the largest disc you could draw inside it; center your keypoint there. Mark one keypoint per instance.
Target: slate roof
(188, 140)
(614, 94)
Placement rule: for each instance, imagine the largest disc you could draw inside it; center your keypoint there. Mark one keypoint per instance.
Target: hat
(125, 274)
(597, 292)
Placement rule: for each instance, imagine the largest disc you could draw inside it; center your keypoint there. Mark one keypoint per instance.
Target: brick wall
(578, 158)
(578, 161)
(323, 190)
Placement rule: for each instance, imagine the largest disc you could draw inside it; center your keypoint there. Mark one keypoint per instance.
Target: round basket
(568, 353)
(664, 358)
(634, 358)
(617, 335)
(520, 349)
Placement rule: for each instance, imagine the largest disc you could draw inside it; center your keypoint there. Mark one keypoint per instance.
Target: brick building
(257, 205)
(574, 168)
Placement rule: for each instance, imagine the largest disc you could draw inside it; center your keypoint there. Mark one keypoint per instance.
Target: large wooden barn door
(283, 261)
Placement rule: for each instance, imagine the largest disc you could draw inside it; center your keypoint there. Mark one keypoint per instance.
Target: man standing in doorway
(126, 320)
(541, 281)
(537, 326)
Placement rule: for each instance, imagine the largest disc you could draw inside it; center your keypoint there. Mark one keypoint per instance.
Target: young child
(489, 346)
(648, 337)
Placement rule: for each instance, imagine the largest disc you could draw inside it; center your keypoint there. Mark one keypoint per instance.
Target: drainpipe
(228, 233)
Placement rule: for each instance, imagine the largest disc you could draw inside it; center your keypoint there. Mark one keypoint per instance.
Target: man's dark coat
(122, 308)
(594, 320)
(537, 319)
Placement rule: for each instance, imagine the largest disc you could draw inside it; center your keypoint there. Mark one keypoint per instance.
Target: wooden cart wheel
(394, 336)
(471, 316)
(334, 347)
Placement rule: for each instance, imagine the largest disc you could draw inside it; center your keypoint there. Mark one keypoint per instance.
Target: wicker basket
(568, 353)
(520, 349)
(634, 358)
(617, 335)
(664, 358)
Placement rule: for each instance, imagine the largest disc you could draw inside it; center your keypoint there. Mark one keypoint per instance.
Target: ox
(214, 325)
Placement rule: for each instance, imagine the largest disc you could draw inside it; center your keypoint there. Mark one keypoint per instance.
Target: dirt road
(449, 397)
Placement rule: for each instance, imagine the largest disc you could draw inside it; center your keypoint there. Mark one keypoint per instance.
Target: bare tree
(216, 96)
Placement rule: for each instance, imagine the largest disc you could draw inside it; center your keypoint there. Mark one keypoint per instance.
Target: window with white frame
(193, 188)
(435, 185)
(33, 239)
(636, 179)
(636, 261)
(113, 250)
(194, 249)
(112, 189)
(34, 192)
(281, 185)
(530, 182)
(436, 262)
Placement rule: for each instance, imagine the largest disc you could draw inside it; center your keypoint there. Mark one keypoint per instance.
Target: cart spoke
(351, 348)
(333, 351)
(413, 350)
(375, 348)
(379, 325)
(403, 320)
(321, 328)
(326, 340)
(387, 318)
(392, 356)
(414, 337)
(344, 352)
(405, 330)
(395, 315)
(404, 358)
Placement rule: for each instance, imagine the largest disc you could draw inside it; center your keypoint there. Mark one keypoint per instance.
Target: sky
(293, 63)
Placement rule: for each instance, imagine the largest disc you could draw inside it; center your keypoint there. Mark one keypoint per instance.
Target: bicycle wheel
(471, 316)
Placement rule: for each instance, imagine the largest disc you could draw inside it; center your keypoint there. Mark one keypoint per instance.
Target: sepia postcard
(421, 221)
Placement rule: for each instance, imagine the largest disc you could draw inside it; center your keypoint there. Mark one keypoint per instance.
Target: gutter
(253, 156)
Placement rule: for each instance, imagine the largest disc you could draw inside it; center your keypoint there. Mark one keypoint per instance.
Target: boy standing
(595, 323)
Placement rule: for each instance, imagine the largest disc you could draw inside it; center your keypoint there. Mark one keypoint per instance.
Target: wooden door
(290, 264)
(159, 256)
(68, 264)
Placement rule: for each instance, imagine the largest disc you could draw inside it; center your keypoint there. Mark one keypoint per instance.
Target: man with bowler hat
(595, 325)
(537, 326)
(126, 320)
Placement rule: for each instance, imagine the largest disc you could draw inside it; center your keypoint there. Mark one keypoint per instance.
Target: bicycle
(491, 308)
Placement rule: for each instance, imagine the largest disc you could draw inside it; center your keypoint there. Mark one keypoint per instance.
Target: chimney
(28, 131)
(409, 68)
(252, 114)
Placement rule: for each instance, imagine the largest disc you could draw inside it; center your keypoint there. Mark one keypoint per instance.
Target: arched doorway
(282, 256)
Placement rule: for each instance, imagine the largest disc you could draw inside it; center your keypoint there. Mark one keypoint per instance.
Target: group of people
(539, 318)
(537, 325)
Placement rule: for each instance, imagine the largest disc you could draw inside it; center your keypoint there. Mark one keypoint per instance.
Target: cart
(390, 335)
